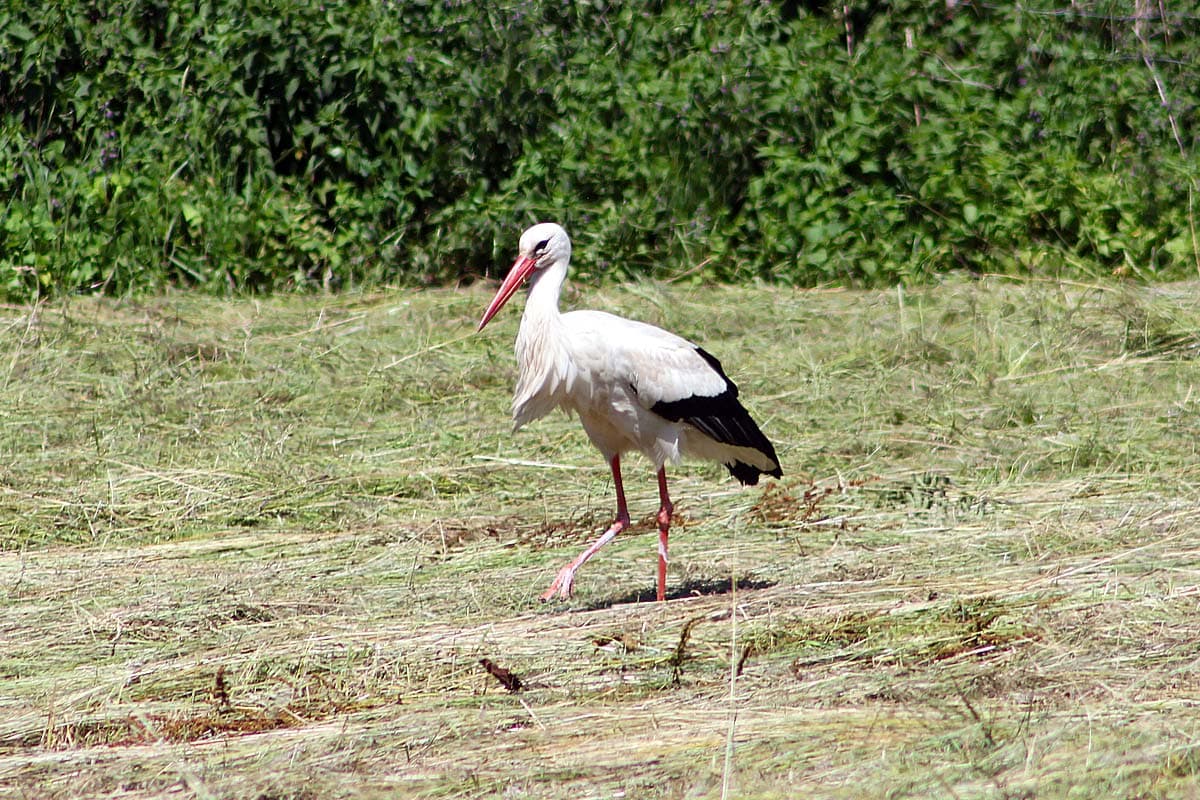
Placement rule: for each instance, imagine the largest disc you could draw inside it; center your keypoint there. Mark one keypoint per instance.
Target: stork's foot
(664, 530)
(563, 585)
(564, 582)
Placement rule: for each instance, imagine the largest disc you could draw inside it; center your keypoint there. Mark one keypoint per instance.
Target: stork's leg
(664, 528)
(565, 580)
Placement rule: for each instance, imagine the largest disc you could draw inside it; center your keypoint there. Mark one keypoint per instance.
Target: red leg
(565, 580)
(664, 528)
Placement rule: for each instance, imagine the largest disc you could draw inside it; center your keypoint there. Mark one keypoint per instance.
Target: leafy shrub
(259, 146)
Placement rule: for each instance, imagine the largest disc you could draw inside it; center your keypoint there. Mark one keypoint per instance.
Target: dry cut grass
(262, 549)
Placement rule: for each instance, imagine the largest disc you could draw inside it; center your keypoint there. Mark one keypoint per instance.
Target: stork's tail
(748, 473)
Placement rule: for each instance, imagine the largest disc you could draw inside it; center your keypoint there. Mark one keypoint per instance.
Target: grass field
(258, 549)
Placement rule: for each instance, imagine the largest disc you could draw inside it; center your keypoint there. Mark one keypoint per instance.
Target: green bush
(259, 146)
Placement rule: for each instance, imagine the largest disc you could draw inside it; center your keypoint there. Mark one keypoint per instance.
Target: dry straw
(260, 549)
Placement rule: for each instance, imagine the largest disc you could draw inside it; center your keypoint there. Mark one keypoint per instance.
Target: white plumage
(634, 387)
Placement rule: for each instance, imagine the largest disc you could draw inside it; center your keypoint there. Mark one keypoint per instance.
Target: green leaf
(192, 215)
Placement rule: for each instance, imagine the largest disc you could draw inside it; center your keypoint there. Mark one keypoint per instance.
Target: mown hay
(261, 549)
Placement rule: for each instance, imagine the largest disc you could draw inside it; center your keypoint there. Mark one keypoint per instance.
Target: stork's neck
(542, 352)
(541, 307)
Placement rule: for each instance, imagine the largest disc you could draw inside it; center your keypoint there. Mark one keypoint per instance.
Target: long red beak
(516, 276)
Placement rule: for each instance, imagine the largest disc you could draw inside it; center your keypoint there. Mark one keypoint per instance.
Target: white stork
(634, 387)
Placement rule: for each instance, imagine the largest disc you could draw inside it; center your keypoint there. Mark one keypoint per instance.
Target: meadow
(259, 548)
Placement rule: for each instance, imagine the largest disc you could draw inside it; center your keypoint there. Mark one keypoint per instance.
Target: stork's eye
(540, 247)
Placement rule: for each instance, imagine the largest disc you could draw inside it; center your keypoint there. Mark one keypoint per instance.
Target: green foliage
(259, 146)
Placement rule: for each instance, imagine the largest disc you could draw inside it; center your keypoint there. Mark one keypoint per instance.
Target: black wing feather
(724, 419)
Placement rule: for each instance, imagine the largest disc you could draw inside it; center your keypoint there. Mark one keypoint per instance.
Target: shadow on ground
(698, 587)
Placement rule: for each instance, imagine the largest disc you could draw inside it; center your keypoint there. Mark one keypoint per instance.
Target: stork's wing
(719, 415)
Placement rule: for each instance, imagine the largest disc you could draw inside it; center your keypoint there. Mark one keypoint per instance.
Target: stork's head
(542, 245)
